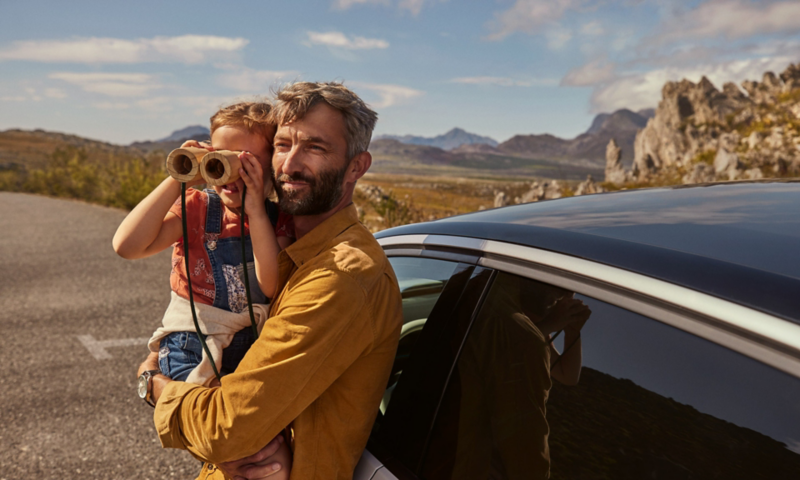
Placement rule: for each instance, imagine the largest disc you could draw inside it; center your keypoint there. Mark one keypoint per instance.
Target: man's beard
(324, 192)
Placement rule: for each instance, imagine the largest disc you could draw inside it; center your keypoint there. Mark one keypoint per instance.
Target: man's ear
(359, 166)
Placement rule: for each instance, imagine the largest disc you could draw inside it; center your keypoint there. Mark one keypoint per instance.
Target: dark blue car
(647, 334)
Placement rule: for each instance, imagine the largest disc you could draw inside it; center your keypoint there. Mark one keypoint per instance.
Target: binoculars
(217, 168)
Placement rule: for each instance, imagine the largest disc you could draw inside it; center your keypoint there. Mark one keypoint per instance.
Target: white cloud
(732, 19)
(413, 6)
(345, 4)
(530, 16)
(592, 28)
(184, 49)
(643, 90)
(340, 40)
(505, 81)
(54, 93)
(14, 98)
(110, 84)
(254, 81)
(111, 105)
(557, 37)
(388, 95)
(593, 73)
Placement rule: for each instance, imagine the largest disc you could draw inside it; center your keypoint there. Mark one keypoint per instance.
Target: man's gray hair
(295, 100)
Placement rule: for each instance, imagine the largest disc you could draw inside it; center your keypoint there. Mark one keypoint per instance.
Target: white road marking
(98, 348)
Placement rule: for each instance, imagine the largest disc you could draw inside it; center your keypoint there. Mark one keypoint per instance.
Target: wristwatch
(145, 386)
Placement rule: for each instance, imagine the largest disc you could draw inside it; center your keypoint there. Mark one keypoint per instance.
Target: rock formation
(541, 191)
(731, 132)
(615, 173)
(500, 199)
(588, 187)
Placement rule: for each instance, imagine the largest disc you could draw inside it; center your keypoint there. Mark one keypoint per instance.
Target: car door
(663, 392)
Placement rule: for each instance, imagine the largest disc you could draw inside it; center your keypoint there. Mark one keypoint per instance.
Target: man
(323, 359)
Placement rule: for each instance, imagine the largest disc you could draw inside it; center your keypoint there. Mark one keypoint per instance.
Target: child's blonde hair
(252, 116)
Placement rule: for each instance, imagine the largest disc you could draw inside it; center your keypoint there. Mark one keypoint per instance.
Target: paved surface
(64, 413)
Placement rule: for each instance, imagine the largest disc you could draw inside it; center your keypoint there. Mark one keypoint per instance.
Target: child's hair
(252, 116)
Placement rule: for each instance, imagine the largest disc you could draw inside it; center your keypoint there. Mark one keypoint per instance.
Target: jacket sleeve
(317, 332)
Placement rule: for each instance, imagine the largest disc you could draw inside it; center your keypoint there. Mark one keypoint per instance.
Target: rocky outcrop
(500, 199)
(541, 191)
(702, 134)
(588, 187)
(615, 173)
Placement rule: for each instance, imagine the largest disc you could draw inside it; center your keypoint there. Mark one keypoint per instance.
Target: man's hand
(567, 314)
(159, 381)
(258, 465)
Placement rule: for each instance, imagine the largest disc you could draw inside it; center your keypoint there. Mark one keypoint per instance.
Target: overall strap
(213, 212)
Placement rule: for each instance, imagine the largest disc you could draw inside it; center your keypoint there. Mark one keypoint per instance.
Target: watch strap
(149, 374)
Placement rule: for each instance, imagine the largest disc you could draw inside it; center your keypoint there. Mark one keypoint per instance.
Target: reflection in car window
(667, 404)
(492, 422)
(627, 397)
(421, 282)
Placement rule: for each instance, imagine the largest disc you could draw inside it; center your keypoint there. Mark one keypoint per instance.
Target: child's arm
(265, 244)
(150, 227)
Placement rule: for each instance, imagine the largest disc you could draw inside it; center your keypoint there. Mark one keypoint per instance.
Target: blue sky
(127, 71)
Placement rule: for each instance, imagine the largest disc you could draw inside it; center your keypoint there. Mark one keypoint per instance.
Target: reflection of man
(494, 411)
(323, 359)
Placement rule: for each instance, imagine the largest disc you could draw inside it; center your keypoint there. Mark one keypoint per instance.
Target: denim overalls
(180, 352)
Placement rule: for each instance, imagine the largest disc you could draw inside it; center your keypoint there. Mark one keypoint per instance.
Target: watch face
(142, 387)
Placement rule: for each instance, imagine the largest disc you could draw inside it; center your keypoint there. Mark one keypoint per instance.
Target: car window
(421, 282)
(650, 401)
(425, 355)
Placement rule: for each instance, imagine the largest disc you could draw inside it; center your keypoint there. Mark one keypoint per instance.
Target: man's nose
(292, 161)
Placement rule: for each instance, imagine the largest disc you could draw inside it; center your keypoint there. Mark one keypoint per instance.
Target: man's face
(309, 164)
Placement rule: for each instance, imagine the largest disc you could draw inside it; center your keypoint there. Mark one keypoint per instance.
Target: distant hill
(452, 139)
(186, 133)
(589, 147)
(33, 148)
(174, 140)
(393, 156)
(585, 150)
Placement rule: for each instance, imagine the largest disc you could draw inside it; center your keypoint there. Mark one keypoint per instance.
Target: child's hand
(196, 144)
(253, 176)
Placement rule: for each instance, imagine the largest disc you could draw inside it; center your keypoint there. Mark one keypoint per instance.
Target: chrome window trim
(756, 334)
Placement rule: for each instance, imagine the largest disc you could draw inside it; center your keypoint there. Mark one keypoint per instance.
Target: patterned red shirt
(199, 264)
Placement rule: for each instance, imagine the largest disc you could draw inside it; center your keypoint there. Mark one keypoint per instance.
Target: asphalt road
(68, 410)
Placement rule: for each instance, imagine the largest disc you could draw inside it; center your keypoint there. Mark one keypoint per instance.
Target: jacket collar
(318, 239)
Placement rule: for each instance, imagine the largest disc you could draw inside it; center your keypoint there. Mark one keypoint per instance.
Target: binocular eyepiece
(216, 168)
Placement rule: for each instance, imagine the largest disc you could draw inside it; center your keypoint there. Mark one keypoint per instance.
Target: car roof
(738, 240)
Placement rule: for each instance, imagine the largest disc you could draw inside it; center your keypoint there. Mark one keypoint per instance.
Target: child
(213, 230)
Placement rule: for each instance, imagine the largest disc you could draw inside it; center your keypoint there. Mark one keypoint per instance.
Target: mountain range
(455, 153)
(447, 141)
(542, 155)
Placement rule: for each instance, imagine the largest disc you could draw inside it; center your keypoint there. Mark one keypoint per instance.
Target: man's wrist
(160, 382)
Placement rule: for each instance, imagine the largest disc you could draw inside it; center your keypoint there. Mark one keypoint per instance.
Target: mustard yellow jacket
(321, 362)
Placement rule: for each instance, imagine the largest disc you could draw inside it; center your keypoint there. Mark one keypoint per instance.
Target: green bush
(120, 181)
